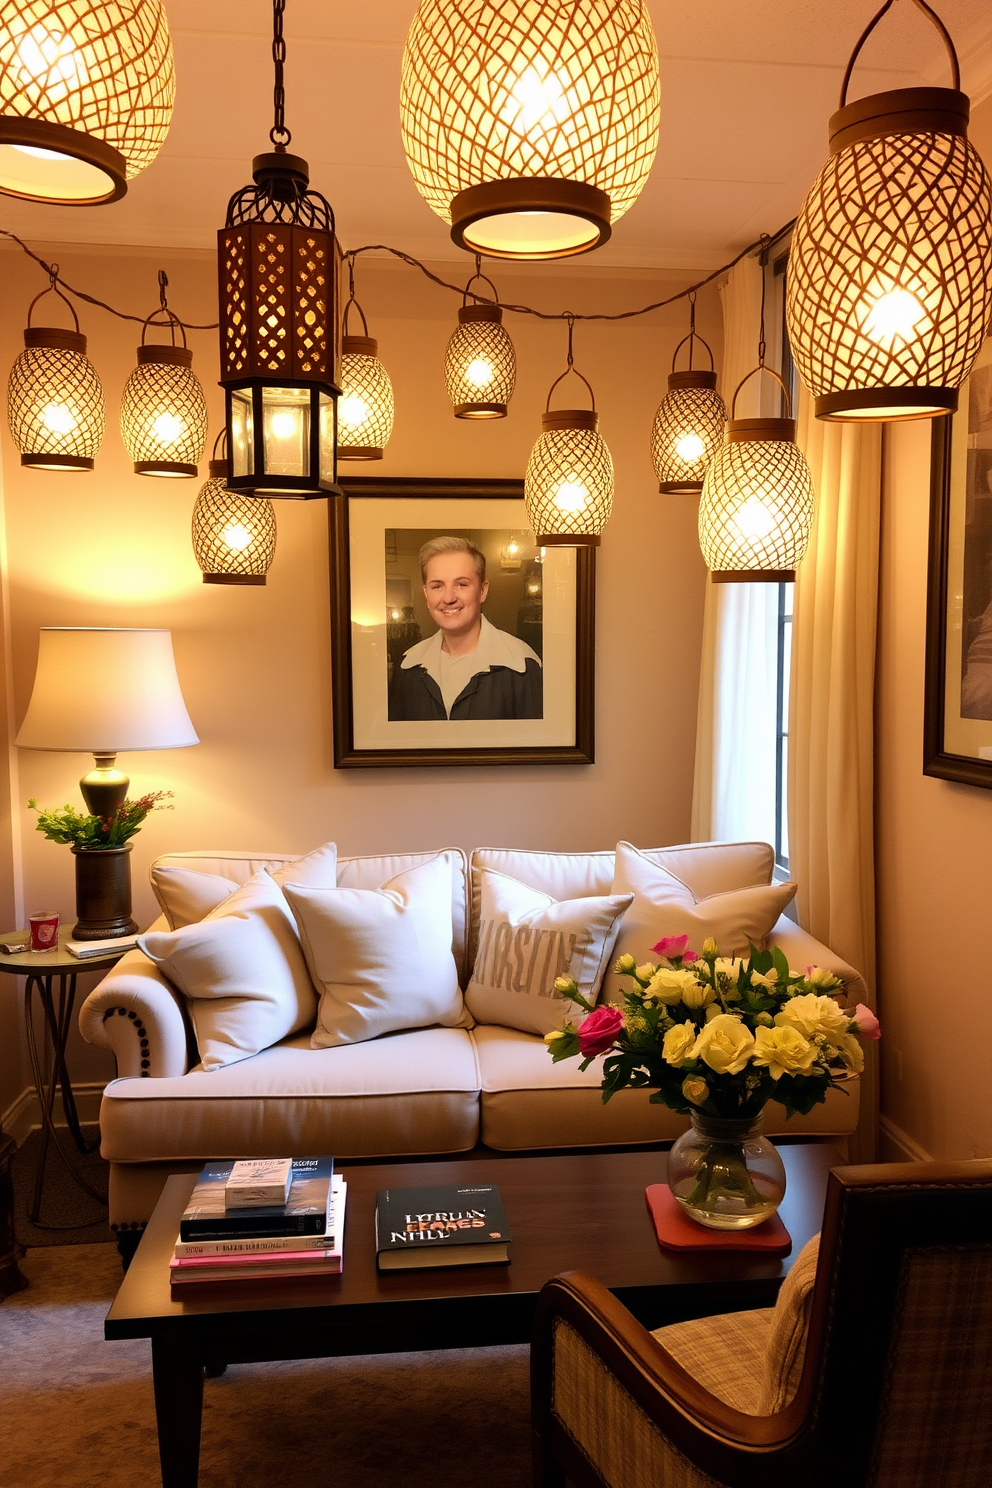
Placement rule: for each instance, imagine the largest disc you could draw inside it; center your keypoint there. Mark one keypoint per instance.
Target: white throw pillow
(242, 972)
(186, 895)
(526, 939)
(381, 958)
(664, 905)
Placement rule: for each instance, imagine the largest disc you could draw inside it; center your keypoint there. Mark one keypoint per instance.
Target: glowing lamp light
(568, 485)
(55, 405)
(889, 287)
(365, 408)
(86, 95)
(163, 410)
(234, 536)
(530, 128)
(689, 424)
(480, 364)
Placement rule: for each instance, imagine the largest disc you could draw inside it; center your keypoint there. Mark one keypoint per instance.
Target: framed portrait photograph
(958, 710)
(455, 639)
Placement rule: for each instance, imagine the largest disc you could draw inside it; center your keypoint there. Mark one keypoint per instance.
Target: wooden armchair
(894, 1385)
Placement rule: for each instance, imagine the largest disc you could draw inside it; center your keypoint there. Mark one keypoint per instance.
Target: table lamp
(100, 692)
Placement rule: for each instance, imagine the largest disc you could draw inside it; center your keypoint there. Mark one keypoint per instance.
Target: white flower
(678, 1041)
(809, 1015)
(670, 986)
(764, 978)
(698, 994)
(724, 1044)
(646, 972)
(727, 966)
(784, 1051)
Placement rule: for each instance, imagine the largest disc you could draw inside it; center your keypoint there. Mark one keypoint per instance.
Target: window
(786, 592)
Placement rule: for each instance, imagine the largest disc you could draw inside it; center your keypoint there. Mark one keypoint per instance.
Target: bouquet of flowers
(94, 833)
(719, 1035)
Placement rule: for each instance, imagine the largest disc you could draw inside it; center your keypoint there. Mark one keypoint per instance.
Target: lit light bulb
(894, 316)
(754, 520)
(57, 418)
(236, 536)
(690, 448)
(352, 412)
(479, 372)
(395, 615)
(49, 58)
(534, 99)
(571, 496)
(168, 428)
(512, 547)
(283, 424)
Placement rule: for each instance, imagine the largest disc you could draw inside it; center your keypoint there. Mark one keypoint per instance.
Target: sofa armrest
(136, 1014)
(804, 950)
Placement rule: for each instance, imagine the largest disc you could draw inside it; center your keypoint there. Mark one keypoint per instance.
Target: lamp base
(103, 893)
(104, 788)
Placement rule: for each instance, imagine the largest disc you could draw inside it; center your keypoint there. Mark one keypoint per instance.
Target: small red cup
(44, 930)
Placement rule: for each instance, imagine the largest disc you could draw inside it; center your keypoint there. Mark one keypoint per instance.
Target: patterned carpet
(68, 1215)
(77, 1412)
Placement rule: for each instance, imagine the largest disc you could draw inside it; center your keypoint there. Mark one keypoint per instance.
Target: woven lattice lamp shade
(480, 364)
(756, 510)
(234, 536)
(531, 128)
(365, 408)
(86, 94)
(688, 429)
(55, 402)
(890, 271)
(568, 487)
(163, 410)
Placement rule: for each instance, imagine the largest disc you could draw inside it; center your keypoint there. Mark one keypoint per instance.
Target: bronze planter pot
(103, 893)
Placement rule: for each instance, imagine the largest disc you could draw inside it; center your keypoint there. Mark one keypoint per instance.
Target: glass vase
(725, 1174)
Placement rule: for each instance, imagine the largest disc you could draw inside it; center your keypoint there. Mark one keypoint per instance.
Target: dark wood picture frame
(346, 755)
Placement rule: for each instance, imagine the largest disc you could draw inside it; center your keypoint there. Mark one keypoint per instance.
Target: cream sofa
(423, 1092)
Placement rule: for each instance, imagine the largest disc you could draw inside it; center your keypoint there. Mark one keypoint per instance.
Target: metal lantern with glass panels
(480, 364)
(688, 427)
(55, 404)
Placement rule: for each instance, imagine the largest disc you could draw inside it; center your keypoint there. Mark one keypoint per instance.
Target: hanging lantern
(890, 271)
(365, 408)
(568, 487)
(480, 365)
(54, 397)
(530, 128)
(278, 322)
(756, 510)
(163, 410)
(86, 94)
(689, 424)
(234, 536)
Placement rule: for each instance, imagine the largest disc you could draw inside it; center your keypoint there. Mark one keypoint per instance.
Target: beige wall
(111, 548)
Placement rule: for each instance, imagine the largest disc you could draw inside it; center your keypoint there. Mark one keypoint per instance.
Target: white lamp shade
(103, 691)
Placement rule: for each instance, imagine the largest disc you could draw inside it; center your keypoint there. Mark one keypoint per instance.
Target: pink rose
(673, 946)
(867, 1022)
(598, 1032)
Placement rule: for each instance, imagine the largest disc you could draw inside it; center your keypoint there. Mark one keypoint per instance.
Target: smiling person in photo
(467, 668)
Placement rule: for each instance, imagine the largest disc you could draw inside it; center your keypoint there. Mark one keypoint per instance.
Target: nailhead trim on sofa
(141, 1031)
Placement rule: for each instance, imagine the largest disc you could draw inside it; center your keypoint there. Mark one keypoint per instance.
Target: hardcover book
(271, 1245)
(255, 1265)
(442, 1226)
(305, 1212)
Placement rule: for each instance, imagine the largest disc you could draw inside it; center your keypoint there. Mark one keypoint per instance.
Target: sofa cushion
(187, 895)
(526, 940)
(415, 1092)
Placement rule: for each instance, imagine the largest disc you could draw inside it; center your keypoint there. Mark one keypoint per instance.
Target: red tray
(676, 1231)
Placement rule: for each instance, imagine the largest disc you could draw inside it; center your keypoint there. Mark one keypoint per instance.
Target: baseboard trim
(898, 1146)
(23, 1116)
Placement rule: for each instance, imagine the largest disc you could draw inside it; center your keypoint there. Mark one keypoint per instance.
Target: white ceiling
(747, 87)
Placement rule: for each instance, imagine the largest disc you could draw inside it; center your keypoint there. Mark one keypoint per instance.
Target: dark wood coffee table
(585, 1212)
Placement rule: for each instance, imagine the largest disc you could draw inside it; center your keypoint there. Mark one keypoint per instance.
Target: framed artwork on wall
(455, 640)
(957, 733)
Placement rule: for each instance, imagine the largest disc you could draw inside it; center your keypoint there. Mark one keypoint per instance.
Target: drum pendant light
(54, 397)
(531, 128)
(689, 424)
(890, 271)
(365, 408)
(234, 537)
(568, 487)
(86, 94)
(279, 322)
(480, 364)
(163, 410)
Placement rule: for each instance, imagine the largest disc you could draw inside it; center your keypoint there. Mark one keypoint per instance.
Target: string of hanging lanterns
(55, 405)
(163, 410)
(480, 363)
(234, 536)
(688, 426)
(365, 408)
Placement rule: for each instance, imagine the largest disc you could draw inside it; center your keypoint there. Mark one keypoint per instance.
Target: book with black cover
(440, 1226)
(206, 1216)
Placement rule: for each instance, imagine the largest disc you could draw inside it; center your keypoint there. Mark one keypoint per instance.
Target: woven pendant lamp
(688, 427)
(890, 271)
(480, 364)
(163, 410)
(86, 94)
(54, 397)
(531, 128)
(234, 536)
(365, 408)
(568, 486)
(756, 510)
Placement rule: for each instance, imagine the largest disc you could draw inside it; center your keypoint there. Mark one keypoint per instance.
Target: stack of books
(247, 1221)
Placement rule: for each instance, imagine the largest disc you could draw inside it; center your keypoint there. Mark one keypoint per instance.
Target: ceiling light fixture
(568, 487)
(86, 94)
(279, 321)
(530, 128)
(480, 364)
(890, 269)
(234, 536)
(163, 410)
(54, 397)
(365, 408)
(688, 427)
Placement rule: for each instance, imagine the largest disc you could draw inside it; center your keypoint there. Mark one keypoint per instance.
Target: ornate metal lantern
(163, 410)
(86, 94)
(568, 486)
(480, 364)
(234, 536)
(689, 424)
(530, 128)
(54, 397)
(365, 408)
(278, 322)
(890, 271)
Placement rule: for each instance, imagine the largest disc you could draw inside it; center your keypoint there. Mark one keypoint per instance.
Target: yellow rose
(709, 946)
(724, 1044)
(851, 1052)
(696, 1091)
(646, 972)
(698, 994)
(556, 1033)
(784, 1051)
(809, 1015)
(669, 986)
(564, 986)
(678, 1041)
